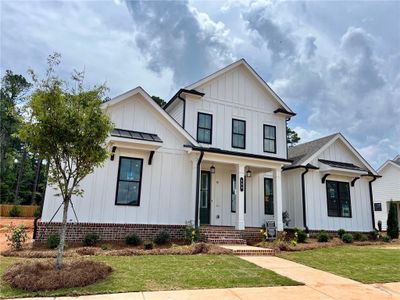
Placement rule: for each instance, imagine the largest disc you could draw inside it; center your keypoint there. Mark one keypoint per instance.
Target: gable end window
(129, 181)
(269, 138)
(338, 197)
(238, 134)
(204, 128)
(268, 196)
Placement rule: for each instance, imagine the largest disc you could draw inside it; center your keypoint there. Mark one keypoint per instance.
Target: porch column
(277, 173)
(240, 188)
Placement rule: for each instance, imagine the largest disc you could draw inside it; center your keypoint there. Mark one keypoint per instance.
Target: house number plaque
(241, 184)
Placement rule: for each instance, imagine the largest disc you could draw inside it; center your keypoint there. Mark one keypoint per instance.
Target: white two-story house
(213, 155)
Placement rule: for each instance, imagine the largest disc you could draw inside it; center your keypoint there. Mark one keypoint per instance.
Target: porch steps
(245, 250)
(222, 235)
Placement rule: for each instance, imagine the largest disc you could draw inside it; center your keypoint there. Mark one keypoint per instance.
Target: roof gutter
(196, 215)
(303, 197)
(184, 108)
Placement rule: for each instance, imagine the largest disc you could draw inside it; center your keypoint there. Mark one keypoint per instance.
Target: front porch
(238, 192)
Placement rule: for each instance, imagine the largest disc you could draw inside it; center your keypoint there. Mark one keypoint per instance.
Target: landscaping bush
(14, 212)
(340, 233)
(374, 235)
(192, 234)
(392, 222)
(385, 238)
(347, 238)
(17, 237)
(43, 276)
(36, 213)
(133, 239)
(323, 237)
(53, 241)
(162, 238)
(90, 239)
(360, 237)
(301, 236)
(148, 245)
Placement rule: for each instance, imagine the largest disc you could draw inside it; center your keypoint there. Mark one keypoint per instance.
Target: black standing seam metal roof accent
(136, 135)
(342, 165)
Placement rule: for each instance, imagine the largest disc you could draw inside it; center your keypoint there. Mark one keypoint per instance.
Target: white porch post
(240, 188)
(277, 173)
(194, 183)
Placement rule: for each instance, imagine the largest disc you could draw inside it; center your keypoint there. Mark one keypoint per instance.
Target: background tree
(69, 130)
(393, 222)
(159, 100)
(292, 137)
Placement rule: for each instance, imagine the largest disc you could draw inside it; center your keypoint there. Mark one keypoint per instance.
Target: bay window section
(129, 181)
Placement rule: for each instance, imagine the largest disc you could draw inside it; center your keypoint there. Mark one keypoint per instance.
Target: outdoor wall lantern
(212, 169)
(248, 173)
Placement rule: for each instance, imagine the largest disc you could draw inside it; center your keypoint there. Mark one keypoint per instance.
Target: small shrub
(106, 247)
(133, 239)
(53, 241)
(385, 238)
(162, 238)
(392, 222)
(347, 238)
(301, 236)
(36, 213)
(90, 239)
(360, 237)
(374, 235)
(192, 234)
(17, 237)
(323, 237)
(340, 233)
(14, 212)
(148, 245)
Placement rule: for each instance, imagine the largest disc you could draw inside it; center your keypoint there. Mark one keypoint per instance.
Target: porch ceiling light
(248, 173)
(212, 169)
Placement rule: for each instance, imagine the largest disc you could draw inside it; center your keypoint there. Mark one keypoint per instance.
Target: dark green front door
(205, 192)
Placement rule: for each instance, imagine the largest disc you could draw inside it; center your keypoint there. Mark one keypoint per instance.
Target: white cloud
(307, 135)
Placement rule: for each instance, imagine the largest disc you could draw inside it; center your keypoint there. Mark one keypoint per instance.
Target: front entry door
(205, 195)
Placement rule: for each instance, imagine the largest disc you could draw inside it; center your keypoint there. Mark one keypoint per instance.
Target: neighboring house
(386, 189)
(213, 155)
(328, 186)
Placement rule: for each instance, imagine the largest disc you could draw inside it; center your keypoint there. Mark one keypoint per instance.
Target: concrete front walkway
(319, 285)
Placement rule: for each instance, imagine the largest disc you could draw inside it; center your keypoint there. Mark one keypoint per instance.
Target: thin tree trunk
(60, 253)
(20, 173)
(35, 183)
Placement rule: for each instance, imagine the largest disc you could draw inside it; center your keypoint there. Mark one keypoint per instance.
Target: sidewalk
(319, 285)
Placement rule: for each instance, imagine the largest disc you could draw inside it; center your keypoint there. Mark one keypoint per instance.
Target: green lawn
(365, 264)
(164, 272)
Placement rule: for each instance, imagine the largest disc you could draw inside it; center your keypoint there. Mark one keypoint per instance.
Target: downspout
(196, 215)
(303, 198)
(184, 109)
(371, 199)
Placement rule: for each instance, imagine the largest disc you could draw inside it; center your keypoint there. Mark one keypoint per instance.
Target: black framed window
(338, 197)
(269, 138)
(268, 196)
(234, 193)
(378, 206)
(129, 181)
(238, 134)
(204, 128)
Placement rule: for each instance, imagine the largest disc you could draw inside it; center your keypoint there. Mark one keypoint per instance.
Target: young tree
(69, 130)
(292, 137)
(392, 221)
(161, 102)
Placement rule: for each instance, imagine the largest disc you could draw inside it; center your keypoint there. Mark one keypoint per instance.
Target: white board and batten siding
(164, 199)
(236, 94)
(386, 189)
(316, 197)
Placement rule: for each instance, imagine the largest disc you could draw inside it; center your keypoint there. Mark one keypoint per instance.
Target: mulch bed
(43, 276)
(198, 248)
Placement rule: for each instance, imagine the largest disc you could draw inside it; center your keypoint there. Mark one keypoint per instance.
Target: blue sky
(337, 64)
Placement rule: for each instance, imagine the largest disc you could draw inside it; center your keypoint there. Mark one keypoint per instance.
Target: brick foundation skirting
(108, 231)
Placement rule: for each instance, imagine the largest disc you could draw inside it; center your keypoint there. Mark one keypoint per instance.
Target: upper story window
(338, 195)
(204, 128)
(269, 138)
(238, 134)
(129, 181)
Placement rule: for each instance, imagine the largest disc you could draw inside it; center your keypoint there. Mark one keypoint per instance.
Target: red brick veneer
(108, 231)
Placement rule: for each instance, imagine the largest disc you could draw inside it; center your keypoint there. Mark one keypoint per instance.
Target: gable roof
(244, 63)
(147, 97)
(395, 162)
(303, 154)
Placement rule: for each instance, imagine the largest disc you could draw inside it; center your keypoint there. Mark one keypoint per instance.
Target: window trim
(211, 129)
(266, 138)
(339, 199)
(244, 134)
(273, 198)
(118, 180)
